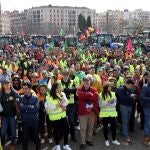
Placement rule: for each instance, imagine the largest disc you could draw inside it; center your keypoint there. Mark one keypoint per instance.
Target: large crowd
(58, 91)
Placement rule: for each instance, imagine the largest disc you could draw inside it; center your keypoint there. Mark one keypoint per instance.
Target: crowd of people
(57, 92)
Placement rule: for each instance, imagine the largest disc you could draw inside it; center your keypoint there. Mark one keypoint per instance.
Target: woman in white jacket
(55, 106)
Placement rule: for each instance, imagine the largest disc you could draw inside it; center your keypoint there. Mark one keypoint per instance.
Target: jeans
(71, 119)
(147, 123)
(125, 116)
(8, 122)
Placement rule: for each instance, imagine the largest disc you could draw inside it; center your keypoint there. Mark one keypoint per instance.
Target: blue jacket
(145, 96)
(124, 96)
(29, 108)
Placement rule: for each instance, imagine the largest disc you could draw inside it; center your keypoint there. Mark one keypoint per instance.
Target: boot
(146, 141)
(12, 147)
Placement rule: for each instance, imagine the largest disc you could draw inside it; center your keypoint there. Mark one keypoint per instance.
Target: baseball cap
(44, 72)
(5, 81)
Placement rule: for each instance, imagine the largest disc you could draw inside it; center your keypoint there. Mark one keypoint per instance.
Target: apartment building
(53, 18)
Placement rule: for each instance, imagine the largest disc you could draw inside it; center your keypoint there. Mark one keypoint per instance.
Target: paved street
(98, 140)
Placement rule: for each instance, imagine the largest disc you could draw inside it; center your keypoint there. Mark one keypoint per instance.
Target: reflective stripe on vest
(56, 114)
(71, 96)
(108, 111)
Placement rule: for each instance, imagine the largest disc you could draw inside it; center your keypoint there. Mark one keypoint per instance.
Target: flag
(129, 46)
(87, 33)
(138, 51)
(61, 32)
(52, 45)
(97, 31)
(65, 46)
(22, 34)
(79, 51)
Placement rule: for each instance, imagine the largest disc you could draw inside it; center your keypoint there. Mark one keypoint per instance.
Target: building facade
(51, 19)
(5, 25)
(111, 21)
(18, 22)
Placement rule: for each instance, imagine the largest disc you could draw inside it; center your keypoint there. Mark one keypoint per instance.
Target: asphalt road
(98, 140)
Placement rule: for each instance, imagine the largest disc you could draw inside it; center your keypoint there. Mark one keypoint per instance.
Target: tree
(89, 24)
(81, 23)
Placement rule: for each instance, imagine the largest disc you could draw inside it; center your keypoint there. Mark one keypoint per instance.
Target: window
(38, 11)
(41, 11)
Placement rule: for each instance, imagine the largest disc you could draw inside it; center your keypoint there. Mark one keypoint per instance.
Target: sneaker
(128, 141)
(73, 139)
(50, 140)
(89, 143)
(107, 143)
(67, 147)
(42, 141)
(58, 147)
(82, 146)
(146, 141)
(115, 142)
(77, 128)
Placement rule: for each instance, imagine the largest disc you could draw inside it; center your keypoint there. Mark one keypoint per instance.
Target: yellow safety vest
(132, 68)
(56, 114)
(108, 111)
(120, 82)
(71, 96)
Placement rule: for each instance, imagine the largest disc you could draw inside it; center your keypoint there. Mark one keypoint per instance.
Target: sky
(99, 5)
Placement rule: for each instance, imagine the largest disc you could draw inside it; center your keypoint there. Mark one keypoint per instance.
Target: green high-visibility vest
(71, 96)
(56, 114)
(120, 82)
(107, 111)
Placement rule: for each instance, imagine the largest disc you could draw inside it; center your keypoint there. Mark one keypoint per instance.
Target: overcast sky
(99, 5)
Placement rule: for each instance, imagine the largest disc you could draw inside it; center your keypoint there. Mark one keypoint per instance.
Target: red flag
(129, 46)
(23, 34)
(97, 31)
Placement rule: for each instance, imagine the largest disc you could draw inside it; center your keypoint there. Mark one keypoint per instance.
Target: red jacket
(83, 96)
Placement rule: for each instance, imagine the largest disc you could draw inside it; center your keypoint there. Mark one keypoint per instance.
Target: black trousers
(42, 119)
(112, 121)
(60, 127)
(71, 119)
(26, 133)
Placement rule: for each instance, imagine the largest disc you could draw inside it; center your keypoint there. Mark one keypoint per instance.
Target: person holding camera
(108, 112)
(87, 109)
(126, 98)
